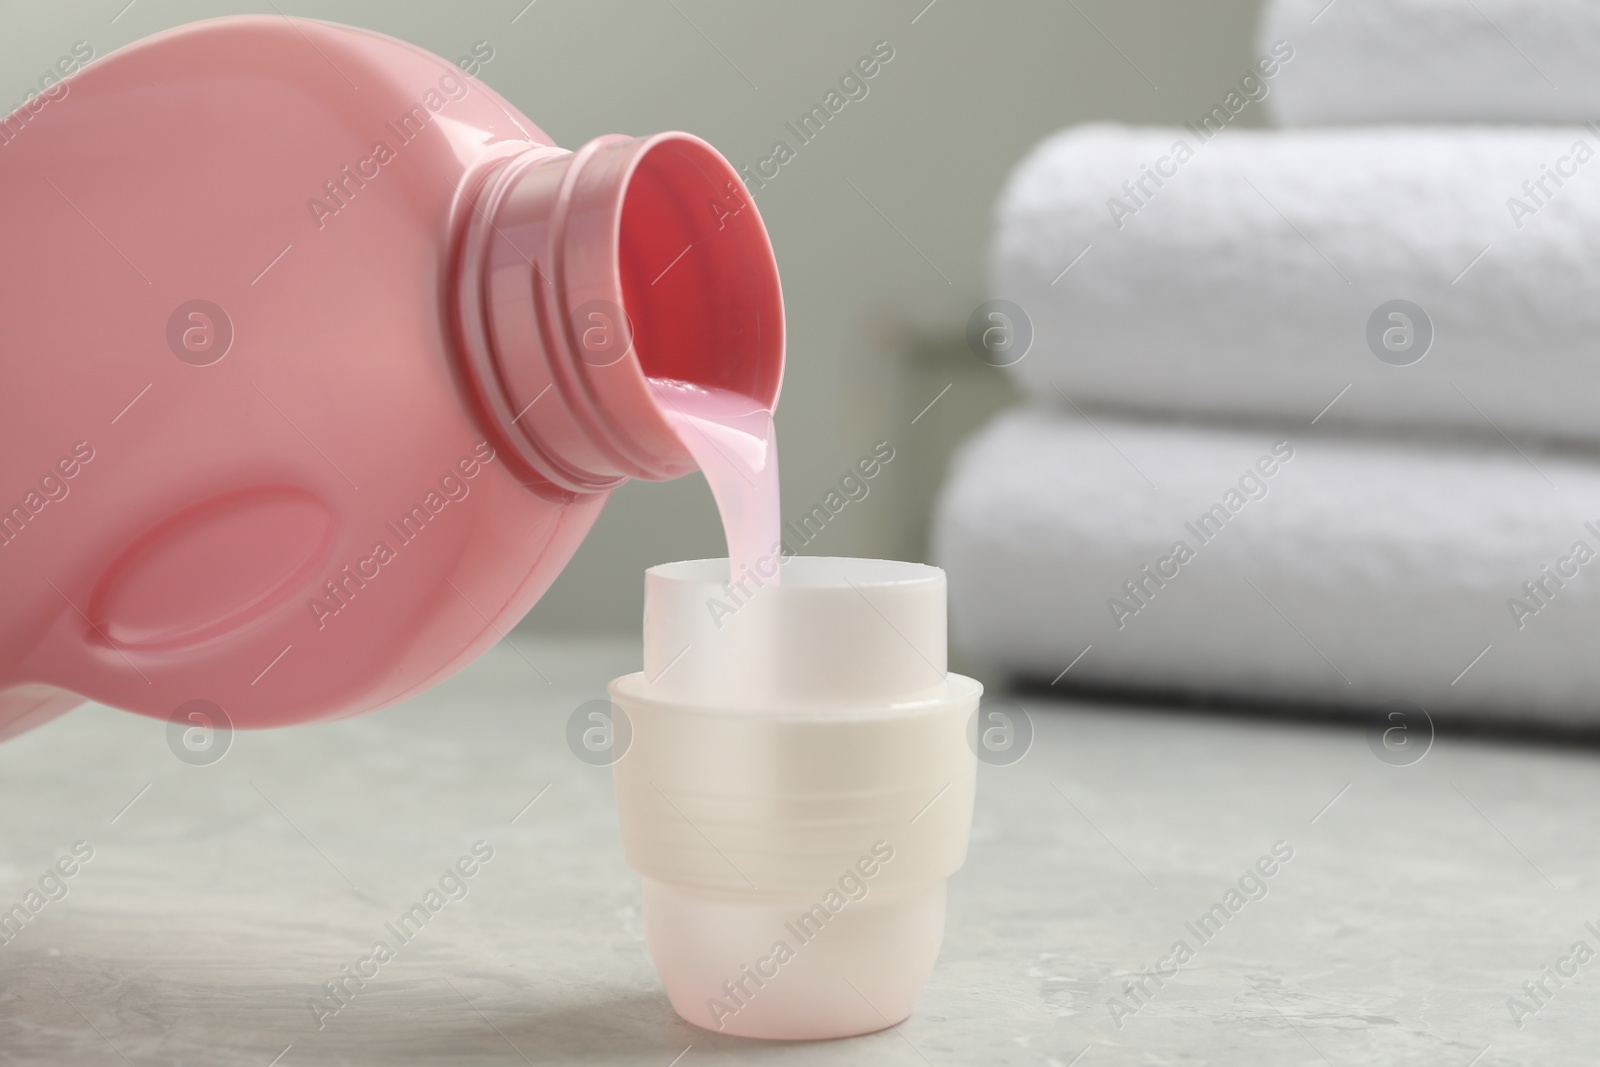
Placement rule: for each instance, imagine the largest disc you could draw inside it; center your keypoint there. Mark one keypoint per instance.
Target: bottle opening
(588, 277)
(699, 283)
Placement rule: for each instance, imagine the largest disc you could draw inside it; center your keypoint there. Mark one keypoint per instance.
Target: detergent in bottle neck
(318, 360)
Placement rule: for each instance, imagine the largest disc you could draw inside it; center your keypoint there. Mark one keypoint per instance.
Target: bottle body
(246, 460)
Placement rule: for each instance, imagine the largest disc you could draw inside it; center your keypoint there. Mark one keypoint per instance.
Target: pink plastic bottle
(318, 360)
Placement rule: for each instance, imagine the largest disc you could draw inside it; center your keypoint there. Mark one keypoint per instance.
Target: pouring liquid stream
(732, 438)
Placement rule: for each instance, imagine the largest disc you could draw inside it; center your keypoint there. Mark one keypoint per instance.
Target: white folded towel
(1239, 275)
(1365, 61)
(1315, 568)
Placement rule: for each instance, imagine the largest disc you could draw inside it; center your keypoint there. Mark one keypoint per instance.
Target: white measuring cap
(797, 788)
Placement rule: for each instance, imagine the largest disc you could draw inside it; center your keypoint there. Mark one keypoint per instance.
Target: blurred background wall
(880, 222)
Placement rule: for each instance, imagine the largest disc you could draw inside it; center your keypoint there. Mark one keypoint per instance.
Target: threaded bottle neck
(582, 275)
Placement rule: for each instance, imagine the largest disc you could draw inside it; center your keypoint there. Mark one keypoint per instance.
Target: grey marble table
(219, 899)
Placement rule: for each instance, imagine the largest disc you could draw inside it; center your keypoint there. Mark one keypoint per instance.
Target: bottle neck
(583, 275)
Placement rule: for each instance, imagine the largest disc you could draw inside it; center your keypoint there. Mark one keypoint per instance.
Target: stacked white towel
(1408, 309)
(1243, 283)
(1276, 563)
(1370, 61)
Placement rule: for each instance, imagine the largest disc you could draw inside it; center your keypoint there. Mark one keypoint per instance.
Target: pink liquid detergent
(732, 439)
(311, 375)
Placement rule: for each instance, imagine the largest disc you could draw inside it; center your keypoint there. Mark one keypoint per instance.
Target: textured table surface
(220, 898)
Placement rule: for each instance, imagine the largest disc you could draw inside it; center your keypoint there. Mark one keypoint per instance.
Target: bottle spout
(583, 275)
